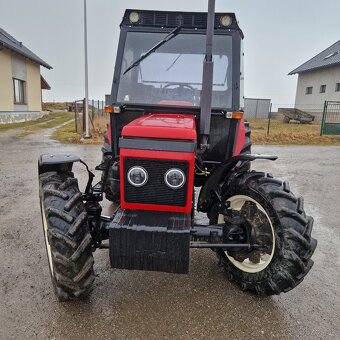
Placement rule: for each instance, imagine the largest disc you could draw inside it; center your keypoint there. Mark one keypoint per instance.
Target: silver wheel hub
(261, 224)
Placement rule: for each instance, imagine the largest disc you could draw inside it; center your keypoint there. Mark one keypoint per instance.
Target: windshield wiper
(170, 36)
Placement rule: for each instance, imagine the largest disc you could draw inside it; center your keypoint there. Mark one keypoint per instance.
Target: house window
(19, 91)
(309, 90)
(337, 87)
(322, 88)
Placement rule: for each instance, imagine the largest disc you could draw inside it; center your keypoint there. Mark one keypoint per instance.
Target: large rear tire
(67, 235)
(111, 183)
(111, 188)
(279, 222)
(247, 145)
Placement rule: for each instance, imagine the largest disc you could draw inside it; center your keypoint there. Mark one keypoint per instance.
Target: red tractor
(176, 127)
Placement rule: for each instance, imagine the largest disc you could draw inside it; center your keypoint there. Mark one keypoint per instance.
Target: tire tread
(68, 234)
(296, 246)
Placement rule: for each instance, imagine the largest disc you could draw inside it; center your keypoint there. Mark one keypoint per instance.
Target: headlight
(226, 20)
(137, 176)
(174, 178)
(134, 17)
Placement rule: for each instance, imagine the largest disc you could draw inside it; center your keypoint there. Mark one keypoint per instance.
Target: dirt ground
(142, 305)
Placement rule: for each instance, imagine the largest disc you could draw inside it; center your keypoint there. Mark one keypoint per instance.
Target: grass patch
(280, 133)
(67, 134)
(48, 121)
(59, 106)
(285, 134)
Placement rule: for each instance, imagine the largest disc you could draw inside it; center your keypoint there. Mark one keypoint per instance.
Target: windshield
(172, 75)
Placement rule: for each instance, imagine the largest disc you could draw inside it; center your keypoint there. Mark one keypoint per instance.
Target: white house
(20, 81)
(319, 80)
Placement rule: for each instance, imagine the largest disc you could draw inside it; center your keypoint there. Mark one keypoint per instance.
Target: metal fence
(331, 118)
(96, 114)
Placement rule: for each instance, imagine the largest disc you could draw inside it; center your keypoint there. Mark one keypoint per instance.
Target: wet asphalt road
(142, 305)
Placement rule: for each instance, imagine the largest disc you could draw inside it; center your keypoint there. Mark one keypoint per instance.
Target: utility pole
(86, 107)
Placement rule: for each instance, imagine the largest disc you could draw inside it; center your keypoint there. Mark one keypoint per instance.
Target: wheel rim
(47, 243)
(236, 203)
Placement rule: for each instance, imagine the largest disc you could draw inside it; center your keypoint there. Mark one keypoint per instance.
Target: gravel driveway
(142, 305)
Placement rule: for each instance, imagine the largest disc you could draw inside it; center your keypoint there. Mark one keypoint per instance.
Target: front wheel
(279, 224)
(67, 235)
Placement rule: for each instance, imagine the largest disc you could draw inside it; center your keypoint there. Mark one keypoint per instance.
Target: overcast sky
(279, 36)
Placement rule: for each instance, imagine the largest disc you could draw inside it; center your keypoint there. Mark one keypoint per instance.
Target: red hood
(164, 126)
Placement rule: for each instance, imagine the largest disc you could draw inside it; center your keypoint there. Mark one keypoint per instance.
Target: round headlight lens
(137, 176)
(134, 17)
(174, 178)
(226, 20)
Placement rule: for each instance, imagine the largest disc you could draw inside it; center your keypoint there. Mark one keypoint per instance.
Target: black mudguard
(221, 174)
(56, 162)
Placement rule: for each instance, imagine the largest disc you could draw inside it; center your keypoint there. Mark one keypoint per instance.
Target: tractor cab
(172, 74)
(159, 68)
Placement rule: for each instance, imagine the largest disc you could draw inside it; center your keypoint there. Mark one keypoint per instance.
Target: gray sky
(279, 36)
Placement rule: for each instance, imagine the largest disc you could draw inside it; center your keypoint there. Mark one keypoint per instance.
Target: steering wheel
(179, 87)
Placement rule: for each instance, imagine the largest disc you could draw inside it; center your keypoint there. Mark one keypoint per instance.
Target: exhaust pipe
(207, 83)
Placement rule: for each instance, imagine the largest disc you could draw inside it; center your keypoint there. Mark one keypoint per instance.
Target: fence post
(257, 106)
(84, 115)
(270, 117)
(323, 117)
(92, 109)
(75, 116)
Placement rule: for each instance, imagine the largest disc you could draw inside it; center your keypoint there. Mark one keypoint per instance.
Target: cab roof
(194, 20)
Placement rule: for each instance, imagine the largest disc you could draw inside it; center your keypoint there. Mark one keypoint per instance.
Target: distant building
(20, 81)
(256, 108)
(319, 80)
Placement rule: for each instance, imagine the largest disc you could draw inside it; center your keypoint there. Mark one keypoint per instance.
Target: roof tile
(329, 57)
(11, 43)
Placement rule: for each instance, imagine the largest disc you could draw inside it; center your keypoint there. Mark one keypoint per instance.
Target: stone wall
(18, 117)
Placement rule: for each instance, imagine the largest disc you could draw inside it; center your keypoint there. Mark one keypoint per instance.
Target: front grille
(155, 191)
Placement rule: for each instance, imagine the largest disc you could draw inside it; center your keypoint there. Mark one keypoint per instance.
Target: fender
(56, 162)
(226, 169)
